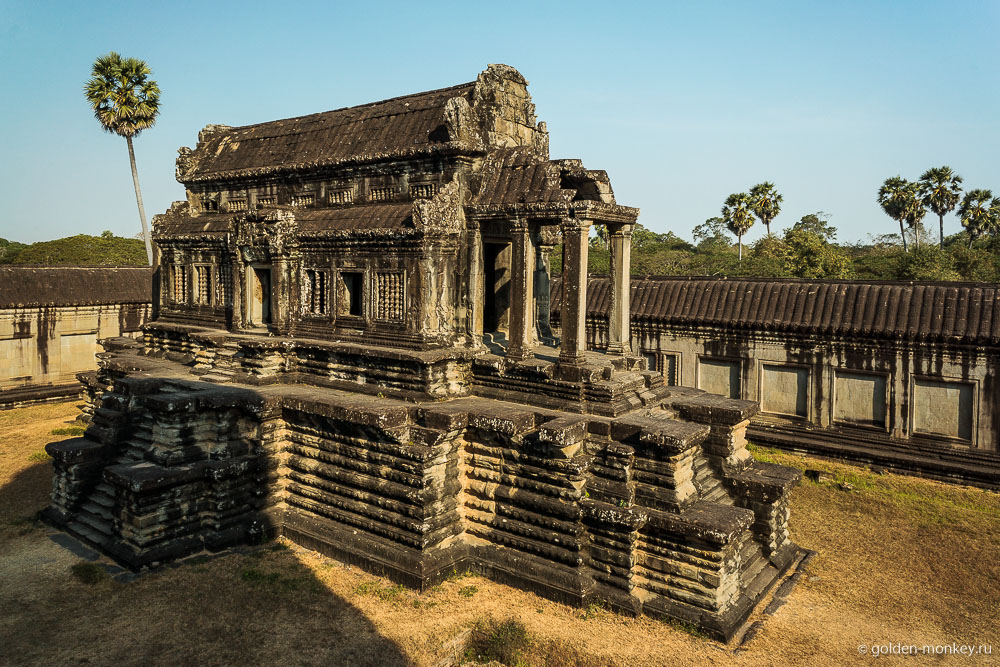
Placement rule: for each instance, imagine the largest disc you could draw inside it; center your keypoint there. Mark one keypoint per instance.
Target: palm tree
(737, 212)
(979, 212)
(914, 212)
(895, 197)
(125, 102)
(766, 203)
(940, 190)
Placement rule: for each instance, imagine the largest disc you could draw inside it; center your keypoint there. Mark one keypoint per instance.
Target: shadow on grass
(259, 607)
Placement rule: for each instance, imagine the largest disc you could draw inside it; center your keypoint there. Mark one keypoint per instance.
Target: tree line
(80, 250)
(809, 248)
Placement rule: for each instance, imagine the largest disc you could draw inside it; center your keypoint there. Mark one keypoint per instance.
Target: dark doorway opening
(260, 296)
(350, 293)
(496, 286)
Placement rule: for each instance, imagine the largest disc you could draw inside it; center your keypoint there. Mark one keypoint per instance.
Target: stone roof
(519, 176)
(957, 312)
(33, 286)
(399, 127)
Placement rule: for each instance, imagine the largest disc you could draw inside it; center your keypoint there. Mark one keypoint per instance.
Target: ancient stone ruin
(352, 348)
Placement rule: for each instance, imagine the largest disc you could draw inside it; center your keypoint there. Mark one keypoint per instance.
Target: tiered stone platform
(657, 509)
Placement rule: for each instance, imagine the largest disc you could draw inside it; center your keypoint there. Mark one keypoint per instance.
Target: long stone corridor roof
(957, 312)
(34, 286)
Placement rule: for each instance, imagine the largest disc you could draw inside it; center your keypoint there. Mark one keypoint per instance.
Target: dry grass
(901, 560)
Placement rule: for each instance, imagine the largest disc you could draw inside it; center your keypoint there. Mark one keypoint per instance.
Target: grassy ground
(901, 560)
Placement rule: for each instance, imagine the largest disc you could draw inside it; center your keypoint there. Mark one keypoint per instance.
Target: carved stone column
(522, 311)
(476, 297)
(619, 327)
(576, 242)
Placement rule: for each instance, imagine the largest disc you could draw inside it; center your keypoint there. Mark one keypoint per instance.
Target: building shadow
(247, 606)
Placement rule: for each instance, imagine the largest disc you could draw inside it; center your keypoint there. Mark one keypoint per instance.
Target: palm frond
(125, 101)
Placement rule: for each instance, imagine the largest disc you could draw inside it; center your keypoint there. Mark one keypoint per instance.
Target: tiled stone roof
(32, 286)
(519, 176)
(958, 312)
(402, 126)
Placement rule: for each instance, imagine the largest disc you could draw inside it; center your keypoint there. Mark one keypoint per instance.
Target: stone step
(105, 500)
(95, 509)
(95, 525)
(88, 533)
(95, 520)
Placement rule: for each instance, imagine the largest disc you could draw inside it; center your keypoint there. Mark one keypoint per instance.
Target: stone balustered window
(380, 194)
(203, 284)
(266, 201)
(342, 196)
(389, 296)
(237, 205)
(316, 289)
(180, 283)
(423, 190)
(304, 200)
(209, 205)
(225, 282)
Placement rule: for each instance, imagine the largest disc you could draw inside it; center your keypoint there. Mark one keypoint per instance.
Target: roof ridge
(825, 281)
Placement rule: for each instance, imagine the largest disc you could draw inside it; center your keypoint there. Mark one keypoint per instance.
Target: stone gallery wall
(901, 375)
(51, 319)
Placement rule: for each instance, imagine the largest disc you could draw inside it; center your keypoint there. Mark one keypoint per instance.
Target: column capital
(621, 229)
(576, 224)
(518, 225)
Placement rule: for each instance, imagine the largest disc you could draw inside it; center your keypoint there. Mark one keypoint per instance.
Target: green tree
(738, 215)
(766, 203)
(940, 189)
(125, 102)
(710, 236)
(770, 258)
(812, 257)
(895, 197)
(819, 224)
(9, 250)
(978, 213)
(927, 263)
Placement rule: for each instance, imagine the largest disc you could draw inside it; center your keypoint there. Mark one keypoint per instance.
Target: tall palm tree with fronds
(125, 102)
(895, 197)
(979, 212)
(737, 213)
(766, 203)
(940, 190)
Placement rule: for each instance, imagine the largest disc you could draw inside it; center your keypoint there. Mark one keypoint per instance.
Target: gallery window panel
(943, 408)
(784, 390)
(860, 398)
(719, 376)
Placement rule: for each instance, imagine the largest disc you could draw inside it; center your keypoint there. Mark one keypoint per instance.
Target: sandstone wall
(51, 319)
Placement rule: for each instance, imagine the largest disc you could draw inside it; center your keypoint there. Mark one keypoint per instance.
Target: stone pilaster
(522, 274)
(619, 328)
(576, 242)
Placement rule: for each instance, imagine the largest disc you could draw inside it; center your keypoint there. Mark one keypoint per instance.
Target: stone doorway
(496, 287)
(259, 295)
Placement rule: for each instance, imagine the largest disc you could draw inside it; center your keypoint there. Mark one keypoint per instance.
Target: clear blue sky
(681, 103)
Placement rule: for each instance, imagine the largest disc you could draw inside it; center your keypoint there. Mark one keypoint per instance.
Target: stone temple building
(351, 348)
